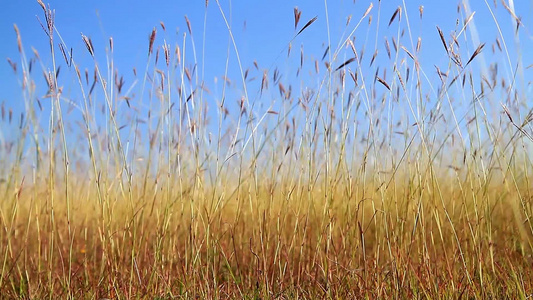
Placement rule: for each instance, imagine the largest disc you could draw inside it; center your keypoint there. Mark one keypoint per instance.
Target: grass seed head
(151, 40)
(88, 44)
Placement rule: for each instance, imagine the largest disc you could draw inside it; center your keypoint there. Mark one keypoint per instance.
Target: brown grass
(385, 185)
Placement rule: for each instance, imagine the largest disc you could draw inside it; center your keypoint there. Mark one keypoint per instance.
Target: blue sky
(262, 28)
(262, 31)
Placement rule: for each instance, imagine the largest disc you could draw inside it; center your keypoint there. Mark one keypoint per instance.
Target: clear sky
(262, 31)
(262, 28)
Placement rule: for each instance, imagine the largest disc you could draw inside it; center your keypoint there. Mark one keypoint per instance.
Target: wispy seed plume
(19, 41)
(264, 82)
(88, 44)
(476, 53)
(443, 40)
(345, 63)
(297, 14)
(62, 49)
(307, 24)
(397, 13)
(188, 24)
(166, 50)
(151, 41)
(383, 82)
(49, 19)
(368, 10)
(12, 64)
(41, 4)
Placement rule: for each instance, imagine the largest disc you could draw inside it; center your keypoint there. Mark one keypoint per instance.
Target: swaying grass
(365, 183)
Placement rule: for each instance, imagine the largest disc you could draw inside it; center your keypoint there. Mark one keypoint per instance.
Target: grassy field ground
(369, 184)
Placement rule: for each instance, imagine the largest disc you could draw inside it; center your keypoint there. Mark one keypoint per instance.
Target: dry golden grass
(358, 188)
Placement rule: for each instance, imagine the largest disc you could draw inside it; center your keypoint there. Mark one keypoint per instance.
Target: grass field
(370, 184)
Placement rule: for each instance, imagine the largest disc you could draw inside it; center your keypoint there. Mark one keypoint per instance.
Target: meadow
(357, 173)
